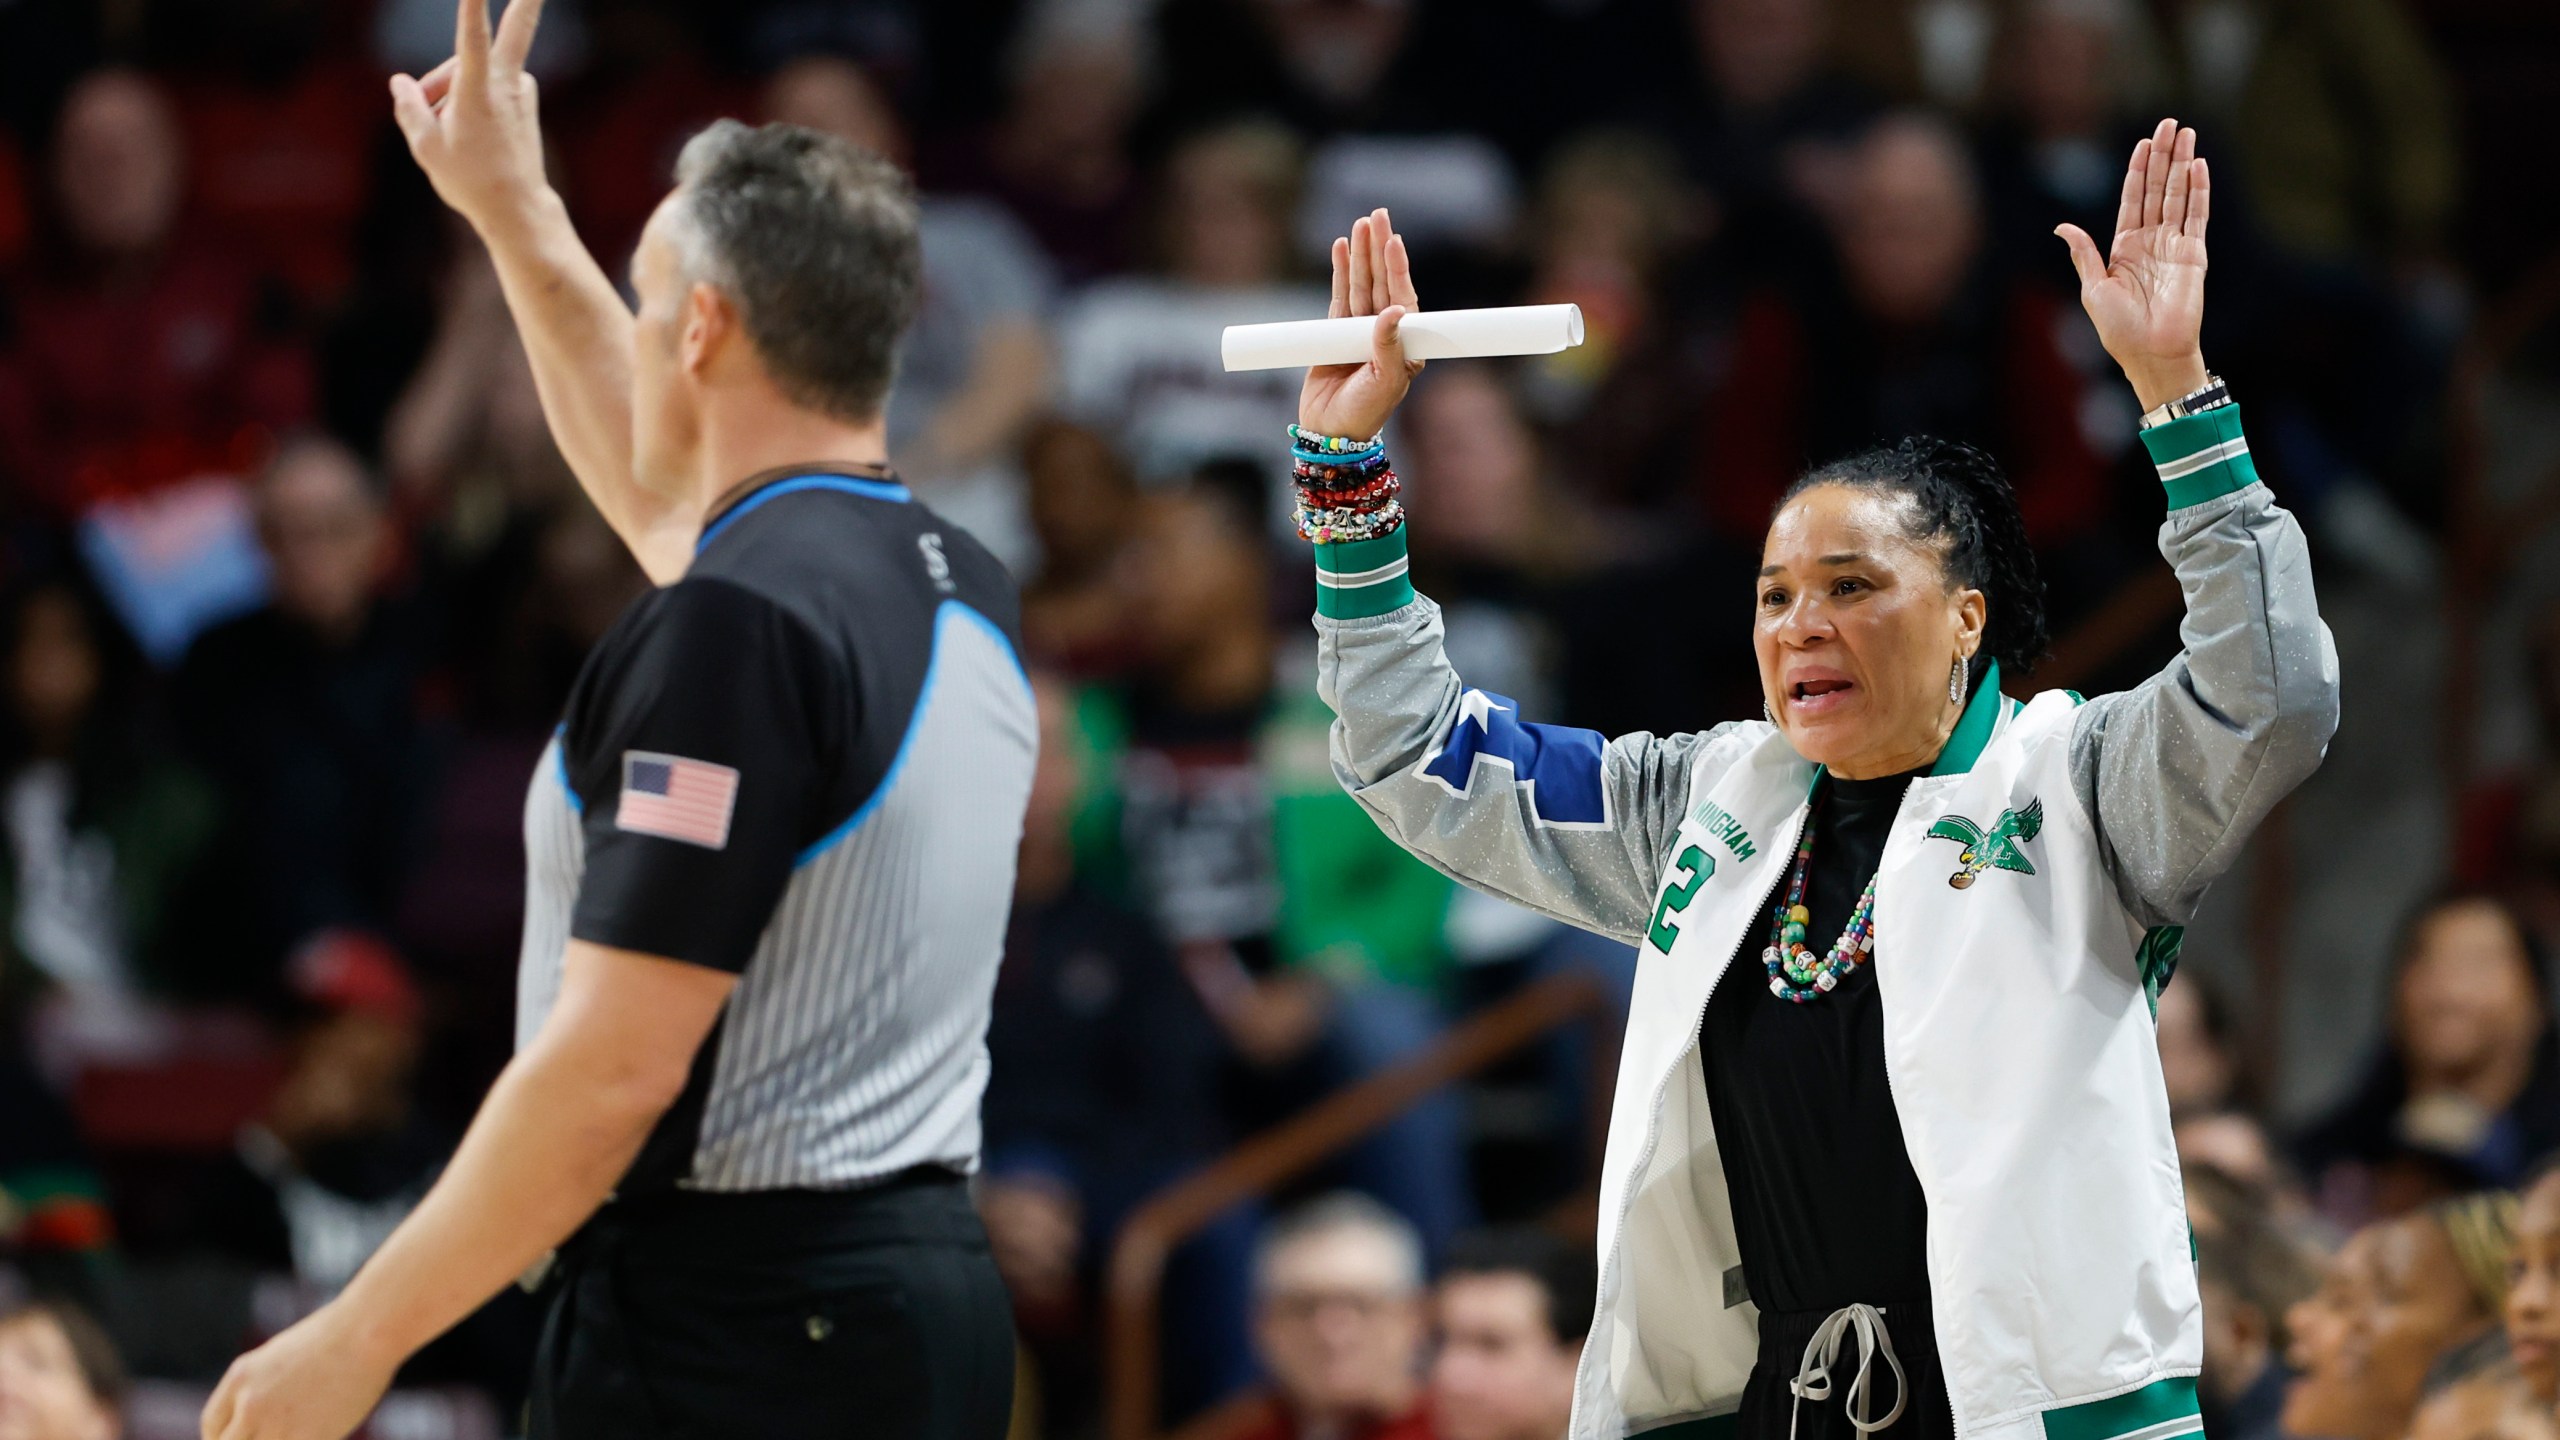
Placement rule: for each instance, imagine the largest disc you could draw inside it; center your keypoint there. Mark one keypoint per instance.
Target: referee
(771, 847)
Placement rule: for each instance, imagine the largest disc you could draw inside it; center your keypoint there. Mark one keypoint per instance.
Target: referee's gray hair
(1339, 1211)
(814, 239)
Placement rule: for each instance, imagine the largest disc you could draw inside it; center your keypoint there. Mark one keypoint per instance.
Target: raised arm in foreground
(2179, 770)
(1562, 821)
(474, 126)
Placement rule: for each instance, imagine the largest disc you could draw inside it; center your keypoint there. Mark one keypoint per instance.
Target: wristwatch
(2214, 395)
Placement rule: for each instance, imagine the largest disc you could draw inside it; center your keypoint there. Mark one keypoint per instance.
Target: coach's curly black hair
(1960, 496)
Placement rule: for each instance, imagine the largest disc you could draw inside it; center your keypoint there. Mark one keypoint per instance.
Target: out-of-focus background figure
(60, 1376)
(1513, 1308)
(1341, 1303)
(293, 584)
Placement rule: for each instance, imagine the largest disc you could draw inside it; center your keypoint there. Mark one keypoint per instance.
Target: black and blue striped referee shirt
(804, 763)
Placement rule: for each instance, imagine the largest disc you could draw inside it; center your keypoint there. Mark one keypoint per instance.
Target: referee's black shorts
(778, 1315)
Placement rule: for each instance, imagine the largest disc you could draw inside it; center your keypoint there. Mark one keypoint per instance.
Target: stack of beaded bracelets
(1345, 490)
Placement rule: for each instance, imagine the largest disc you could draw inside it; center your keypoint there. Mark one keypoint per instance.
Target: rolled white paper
(1428, 335)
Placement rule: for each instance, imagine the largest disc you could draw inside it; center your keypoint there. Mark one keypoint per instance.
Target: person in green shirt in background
(1316, 943)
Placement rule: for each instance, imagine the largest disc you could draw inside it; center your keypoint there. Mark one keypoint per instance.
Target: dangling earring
(1955, 682)
(1766, 713)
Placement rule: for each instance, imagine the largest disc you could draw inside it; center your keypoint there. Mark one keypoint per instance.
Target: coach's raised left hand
(316, 1381)
(2146, 296)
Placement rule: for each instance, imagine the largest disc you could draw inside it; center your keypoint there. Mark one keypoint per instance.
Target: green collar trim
(1982, 716)
(1973, 729)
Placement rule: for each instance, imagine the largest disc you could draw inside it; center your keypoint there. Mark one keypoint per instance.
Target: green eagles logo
(1995, 850)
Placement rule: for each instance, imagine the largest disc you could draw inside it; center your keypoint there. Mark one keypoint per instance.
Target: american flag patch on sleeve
(675, 798)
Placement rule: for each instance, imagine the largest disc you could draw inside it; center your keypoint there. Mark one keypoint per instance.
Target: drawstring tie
(1813, 1377)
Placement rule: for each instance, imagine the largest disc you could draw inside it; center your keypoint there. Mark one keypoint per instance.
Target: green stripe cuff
(2201, 457)
(2157, 1411)
(1361, 578)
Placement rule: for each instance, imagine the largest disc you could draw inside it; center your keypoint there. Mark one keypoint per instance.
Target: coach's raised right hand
(1372, 275)
(474, 122)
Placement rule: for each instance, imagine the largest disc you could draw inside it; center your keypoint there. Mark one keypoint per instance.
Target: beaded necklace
(1795, 972)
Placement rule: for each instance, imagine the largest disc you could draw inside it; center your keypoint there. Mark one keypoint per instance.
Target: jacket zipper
(1653, 1114)
(1876, 959)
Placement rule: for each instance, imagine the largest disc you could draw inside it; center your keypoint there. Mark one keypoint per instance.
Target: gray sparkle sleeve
(1562, 821)
(2179, 770)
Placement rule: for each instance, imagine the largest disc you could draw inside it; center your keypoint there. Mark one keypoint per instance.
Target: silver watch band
(2212, 395)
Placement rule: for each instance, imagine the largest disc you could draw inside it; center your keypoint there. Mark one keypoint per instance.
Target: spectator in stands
(2466, 1089)
(1510, 551)
(1138, 356)
(2507, 832)
(465, 445)
(2404, 1301)
(313, 1184)
(1615, 223)
(648, 82)
(1513, 1307)
(1103, 1089)
(1538, 580)
(53, 1205)
(1919, 335)
(527, 574)
(103, 904)
(518, 622)
(143, 353)
(2065, 113)
(2533, 1288)
(60, 1378)
(2328, 1398)
(2234, 1143)
(1075, 610)
(975, 368)
(343, 1152)
(1498, 534)
(2341, 117)
(1315, 943)
(1778, 115)
(2196, 1056)
(2347, 176)
(1058, 154)
(307, 711)
(2199, 1059)
(2444, 1288)
(1339, 1320)
(2250, 1273)
(1322, 68)
(2485, 1407)
(281, 139)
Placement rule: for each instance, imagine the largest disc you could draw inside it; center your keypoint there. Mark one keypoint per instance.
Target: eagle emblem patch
(1993, 849)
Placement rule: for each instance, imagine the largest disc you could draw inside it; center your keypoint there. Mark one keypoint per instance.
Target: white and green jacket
(2026, 909)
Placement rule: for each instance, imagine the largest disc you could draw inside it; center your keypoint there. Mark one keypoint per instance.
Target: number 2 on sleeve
(1698, 865)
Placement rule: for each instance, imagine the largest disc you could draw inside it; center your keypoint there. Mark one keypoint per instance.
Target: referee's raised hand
(474, 122)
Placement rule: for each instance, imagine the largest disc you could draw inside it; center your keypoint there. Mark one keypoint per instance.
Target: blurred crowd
(293, 583)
